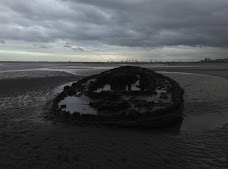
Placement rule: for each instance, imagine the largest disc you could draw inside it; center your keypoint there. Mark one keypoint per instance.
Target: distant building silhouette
(215, 61)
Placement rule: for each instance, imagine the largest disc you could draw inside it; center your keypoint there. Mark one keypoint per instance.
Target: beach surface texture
(28, 139)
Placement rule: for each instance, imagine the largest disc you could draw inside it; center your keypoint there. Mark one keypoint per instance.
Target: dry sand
(29, 140)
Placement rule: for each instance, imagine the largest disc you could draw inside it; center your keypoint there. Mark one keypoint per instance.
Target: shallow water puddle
(106, 87)
(205, 98)
(77, 104)
(135, 86)
(59, 89)
(204, 121)
(88, 82)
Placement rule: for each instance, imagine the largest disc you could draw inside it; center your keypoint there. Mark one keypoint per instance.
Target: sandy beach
(30, 140)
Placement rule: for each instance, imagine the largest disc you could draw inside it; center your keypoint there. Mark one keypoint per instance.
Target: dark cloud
(44, 47)
(132, 23)
(78, 49)
(2, 41)
(74, 48)
(67, 46)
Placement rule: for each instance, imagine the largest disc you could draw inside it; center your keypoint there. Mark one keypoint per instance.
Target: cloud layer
(84, 24)
(141, 23)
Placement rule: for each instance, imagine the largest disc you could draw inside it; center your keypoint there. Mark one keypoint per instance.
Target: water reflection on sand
(206, 99)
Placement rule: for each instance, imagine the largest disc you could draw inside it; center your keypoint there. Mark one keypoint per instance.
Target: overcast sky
(113, 30)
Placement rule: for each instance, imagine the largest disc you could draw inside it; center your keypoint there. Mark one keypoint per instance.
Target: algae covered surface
(124, 93)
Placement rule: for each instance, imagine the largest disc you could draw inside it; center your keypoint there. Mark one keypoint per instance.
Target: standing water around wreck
(126, 96)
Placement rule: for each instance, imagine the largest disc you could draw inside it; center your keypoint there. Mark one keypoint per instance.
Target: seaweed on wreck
(112, 107)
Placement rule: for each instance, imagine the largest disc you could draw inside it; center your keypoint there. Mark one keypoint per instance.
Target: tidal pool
(206, 99)
(79, 104)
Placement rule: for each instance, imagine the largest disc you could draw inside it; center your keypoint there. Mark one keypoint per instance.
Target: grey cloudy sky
(92, 30)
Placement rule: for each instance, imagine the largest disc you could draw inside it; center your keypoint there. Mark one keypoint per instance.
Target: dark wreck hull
(112, 106)
(151, 122)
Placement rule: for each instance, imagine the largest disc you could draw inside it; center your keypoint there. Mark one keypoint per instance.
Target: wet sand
(215, 69)
(29, 140)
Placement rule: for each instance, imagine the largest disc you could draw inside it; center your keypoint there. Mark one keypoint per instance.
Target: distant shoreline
(139, 62)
